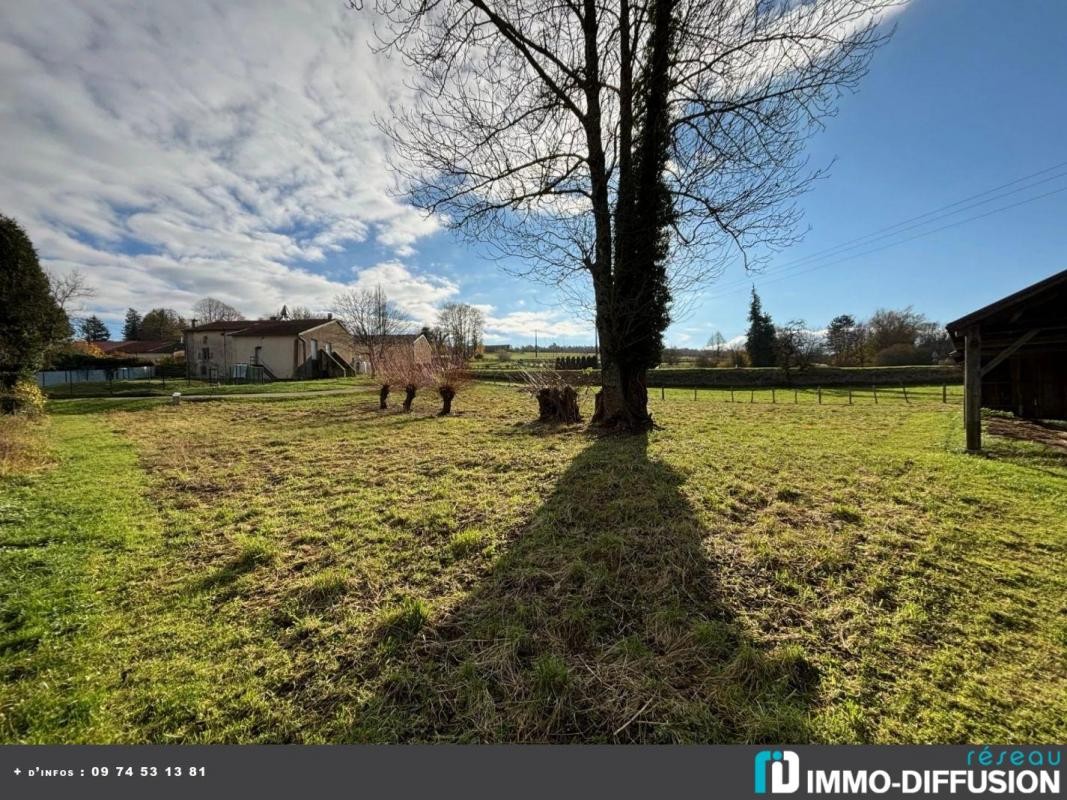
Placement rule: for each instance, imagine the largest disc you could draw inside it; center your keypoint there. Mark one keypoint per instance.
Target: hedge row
(770, 376)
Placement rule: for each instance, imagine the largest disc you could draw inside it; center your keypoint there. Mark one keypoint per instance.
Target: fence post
(875, 387)
(662, 393)
(820, 395)
(694, 393)
(850, 395)
(795, 398)
(905, 390)
(731, 394)
(751, 396)
(774, 396)
(944, 392)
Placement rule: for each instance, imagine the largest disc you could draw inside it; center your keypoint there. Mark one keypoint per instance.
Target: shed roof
(1040, 307)
(1033, 292)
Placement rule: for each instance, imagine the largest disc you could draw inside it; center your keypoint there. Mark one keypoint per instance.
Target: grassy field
(155, 387)
(313, 570)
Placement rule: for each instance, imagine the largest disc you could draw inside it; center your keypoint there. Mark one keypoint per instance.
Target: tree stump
(447, 393)
(383, 395)
(558, 405)
(409, 395)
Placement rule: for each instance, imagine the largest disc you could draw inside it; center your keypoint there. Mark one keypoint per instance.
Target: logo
(784, 769)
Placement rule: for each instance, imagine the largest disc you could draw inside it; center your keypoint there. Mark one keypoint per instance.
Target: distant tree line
(890, 337)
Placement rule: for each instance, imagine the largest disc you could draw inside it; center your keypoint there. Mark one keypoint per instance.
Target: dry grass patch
(23, 447)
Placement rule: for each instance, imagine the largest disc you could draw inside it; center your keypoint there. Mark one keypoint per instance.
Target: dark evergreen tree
(131, 328)
(29, 315)
(93, 329)
(760, 342)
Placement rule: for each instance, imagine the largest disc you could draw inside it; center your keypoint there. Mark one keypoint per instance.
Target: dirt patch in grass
(1048, 434)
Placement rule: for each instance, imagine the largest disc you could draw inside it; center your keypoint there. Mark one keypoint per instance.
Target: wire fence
(945, 394)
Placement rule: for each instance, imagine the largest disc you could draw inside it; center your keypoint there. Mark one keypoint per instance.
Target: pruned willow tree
(636, 144)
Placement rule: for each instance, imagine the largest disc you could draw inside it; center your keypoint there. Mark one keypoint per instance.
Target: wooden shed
(1014, 353)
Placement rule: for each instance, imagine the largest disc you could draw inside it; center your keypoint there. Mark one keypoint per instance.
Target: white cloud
(523, 325)
(417, 295)
(229, 143)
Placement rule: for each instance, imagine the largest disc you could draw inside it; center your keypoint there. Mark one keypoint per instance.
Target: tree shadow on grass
(602, 621)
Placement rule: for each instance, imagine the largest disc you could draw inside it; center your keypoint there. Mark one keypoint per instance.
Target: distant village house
(271, 349)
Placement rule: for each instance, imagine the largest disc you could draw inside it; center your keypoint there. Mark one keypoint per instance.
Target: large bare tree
(212, 310)
(638, 144)
(461, 327)
(70, 291)
(373, 320)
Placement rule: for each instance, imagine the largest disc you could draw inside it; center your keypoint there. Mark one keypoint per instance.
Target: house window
(205, 353)
(205, 340)
(314, 348)
(329, 347)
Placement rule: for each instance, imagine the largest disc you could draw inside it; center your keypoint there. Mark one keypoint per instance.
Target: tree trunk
(447, 393)
(622, 402)
(409, 395)
(382, 396)
(558, 405)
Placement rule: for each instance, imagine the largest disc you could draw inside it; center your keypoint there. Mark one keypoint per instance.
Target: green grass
(158, 388)
(313, 570)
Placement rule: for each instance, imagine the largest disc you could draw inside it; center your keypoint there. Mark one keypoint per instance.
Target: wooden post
(944, 392)
(751, 396)
(904, 389)
(875, 387)
(972, 389)
(774, 396)
(731, 394)
(795, 397)
(694, 393)
(850, 395)
(662, 393)
(820, 395)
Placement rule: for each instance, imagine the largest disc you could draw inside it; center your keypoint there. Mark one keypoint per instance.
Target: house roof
(282, 327)
(400, 338)
(147, 346)
(223, 325)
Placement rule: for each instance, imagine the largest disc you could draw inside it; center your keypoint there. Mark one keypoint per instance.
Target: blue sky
(173, 151)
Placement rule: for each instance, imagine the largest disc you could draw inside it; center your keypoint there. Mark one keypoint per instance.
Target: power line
(918, 221)
(938, 217)
(902, 241)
